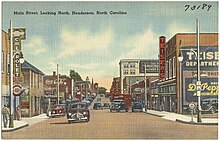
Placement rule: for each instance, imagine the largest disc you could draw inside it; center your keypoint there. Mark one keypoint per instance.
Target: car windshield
(97, 104)
(58, 106)
(138, 105)
(205, 102)
(80, 106)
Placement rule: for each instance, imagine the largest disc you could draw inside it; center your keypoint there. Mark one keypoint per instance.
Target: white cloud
(176, 27)
(36, 45)
(140, 46)
(75, 42)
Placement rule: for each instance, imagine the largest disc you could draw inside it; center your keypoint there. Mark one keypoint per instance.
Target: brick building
(177, 87)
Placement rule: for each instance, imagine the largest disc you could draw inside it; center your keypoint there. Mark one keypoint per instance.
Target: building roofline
(27, 65)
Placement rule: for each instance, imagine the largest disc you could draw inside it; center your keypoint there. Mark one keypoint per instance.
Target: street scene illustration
(109, 70)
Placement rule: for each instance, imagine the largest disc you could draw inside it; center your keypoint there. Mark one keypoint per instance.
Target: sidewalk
(25, 122)
(182, 118)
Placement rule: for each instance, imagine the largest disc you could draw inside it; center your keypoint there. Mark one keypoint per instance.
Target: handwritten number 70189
(197, 7)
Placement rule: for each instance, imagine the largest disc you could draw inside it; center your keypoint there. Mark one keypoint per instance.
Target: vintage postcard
(109, 70)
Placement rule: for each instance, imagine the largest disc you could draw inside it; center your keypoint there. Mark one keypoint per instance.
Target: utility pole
(58, 86)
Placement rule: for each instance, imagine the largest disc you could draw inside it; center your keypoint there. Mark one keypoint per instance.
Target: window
(174, 67)
(2, 62)
(132, 72)
(166, 70)
(170, 68)
(132, 65)
(125, 72)
(8, 63)
(126, 65)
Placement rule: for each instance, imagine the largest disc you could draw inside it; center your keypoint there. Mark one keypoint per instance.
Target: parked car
(58, 110)
(78, 112)
(118, 105)
(209, 105)
(137, 107)
(98, 99)
(97, 106)
(106, 105)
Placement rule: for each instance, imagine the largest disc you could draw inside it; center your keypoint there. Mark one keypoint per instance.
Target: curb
(153, 114)
(16, 128)
(195, 123)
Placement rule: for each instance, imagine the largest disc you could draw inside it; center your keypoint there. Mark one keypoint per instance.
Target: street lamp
(87, 79)
(180, 58)
(21, 60)
(145, 88)
(198, 83)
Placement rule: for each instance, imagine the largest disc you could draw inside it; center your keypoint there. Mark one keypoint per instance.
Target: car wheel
(69, 121)
(212, 110)
(126, 110)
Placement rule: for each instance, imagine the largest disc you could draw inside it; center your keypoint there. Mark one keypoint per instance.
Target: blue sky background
(94, 44)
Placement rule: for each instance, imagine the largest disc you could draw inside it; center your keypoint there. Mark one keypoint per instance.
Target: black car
(97, 106)
(137, 107)
(118, 105)
(78, 112)
(209, 105)
(106, 105)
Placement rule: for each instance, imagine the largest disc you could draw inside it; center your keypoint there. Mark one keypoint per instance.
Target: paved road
(106, 125)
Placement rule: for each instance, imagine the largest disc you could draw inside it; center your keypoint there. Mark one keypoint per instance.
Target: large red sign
(162, 57)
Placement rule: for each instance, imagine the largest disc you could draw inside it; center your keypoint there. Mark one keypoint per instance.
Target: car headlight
(53, 112)
(69, 114)
(60, 111)
(84, 113)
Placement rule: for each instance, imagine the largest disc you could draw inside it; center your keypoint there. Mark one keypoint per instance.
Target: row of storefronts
(175, 85)
(32, 89)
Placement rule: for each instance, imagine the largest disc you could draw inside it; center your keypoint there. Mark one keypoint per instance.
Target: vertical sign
(17, 35)
(162, 57)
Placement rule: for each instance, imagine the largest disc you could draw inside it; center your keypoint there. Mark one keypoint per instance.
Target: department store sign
(209, 88)
(208, 58)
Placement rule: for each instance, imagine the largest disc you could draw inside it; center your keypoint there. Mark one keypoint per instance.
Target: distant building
(51, 87)
(131, 68)
(30, 100)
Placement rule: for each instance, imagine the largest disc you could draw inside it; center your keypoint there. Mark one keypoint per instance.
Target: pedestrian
(5, 114)
(18, 113)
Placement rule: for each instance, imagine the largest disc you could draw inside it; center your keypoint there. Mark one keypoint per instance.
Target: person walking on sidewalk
(5, 114)
(18, 113)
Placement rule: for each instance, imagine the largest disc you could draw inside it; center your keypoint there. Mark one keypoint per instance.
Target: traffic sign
(192, 106)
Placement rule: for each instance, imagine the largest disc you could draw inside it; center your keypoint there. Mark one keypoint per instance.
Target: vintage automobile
(78, 112)
(97, 106)
(209, 105)
(137, 107)
(118, 105)
(106, 106)
(58, 110)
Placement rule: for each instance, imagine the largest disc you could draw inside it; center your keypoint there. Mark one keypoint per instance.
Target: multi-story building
(5, 92)
(115, 88)
(51, 87)
(177, 84)
(131, 68)
(30, 100)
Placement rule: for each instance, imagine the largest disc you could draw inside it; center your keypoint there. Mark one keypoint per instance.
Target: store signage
(18, 35)
(152, 66)
(17, 90)
(209, 57)
(162, 57)
(54, 81)
(209, 88)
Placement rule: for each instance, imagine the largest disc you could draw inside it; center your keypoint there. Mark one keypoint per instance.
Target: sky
(93, 45)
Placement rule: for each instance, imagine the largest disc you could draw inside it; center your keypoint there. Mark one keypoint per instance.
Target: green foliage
(102, 90)
(74, 75)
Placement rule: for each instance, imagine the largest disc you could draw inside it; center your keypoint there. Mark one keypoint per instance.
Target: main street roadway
(106, 125)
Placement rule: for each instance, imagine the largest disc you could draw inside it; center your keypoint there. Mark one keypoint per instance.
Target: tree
(102, 90)
(74, 75)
